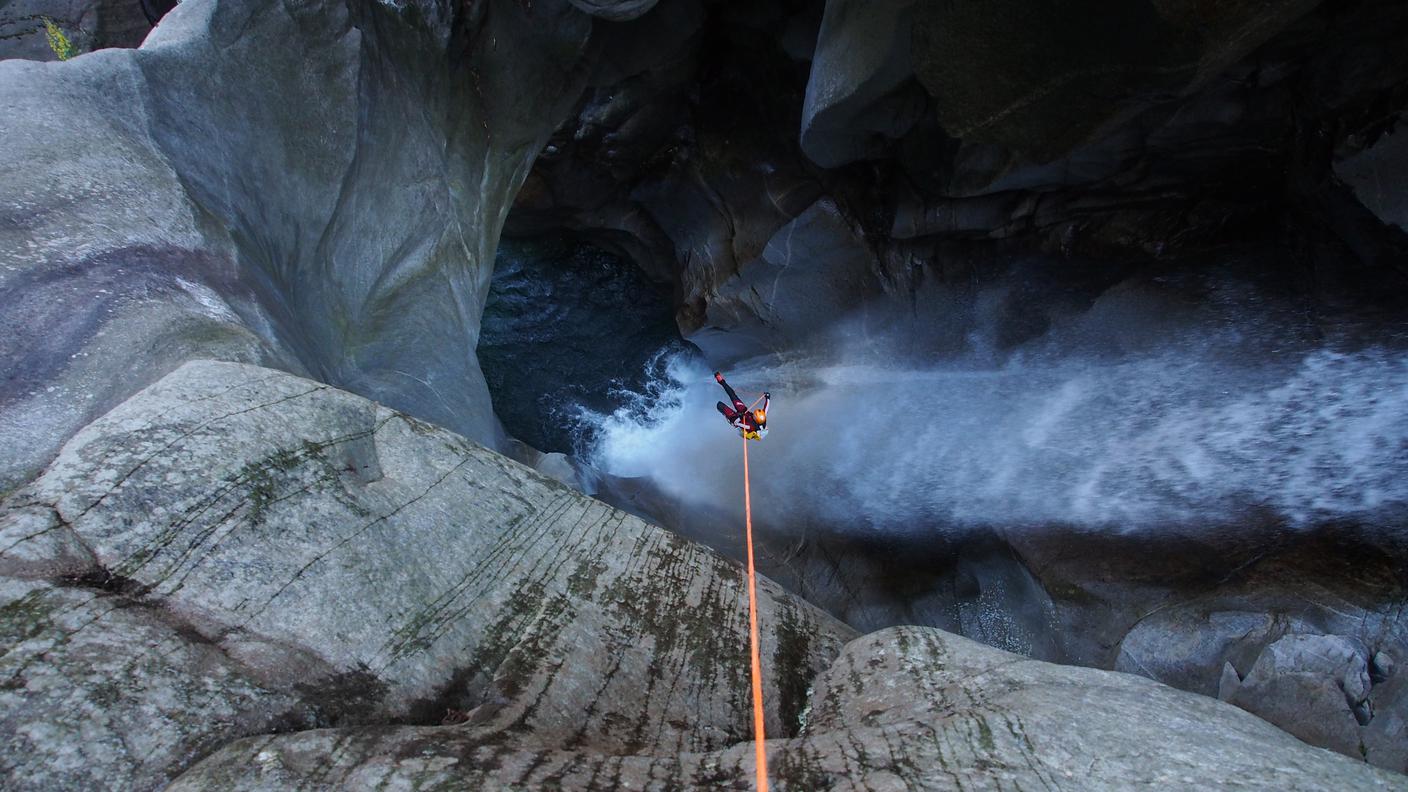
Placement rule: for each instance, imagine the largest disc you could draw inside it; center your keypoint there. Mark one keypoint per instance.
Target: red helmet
(760, 416)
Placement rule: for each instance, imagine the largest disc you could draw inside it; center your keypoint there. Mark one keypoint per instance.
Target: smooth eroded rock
(304, 557)
(335, 213)
(905, 709)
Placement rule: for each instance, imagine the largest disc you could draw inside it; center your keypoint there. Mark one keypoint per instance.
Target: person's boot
(718, 377)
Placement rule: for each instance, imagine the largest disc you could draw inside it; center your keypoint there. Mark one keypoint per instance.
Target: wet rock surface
(615, 10)
(1370, 174)
(715, 127)
(1201, 619)
(1283, 628)
(777, 164)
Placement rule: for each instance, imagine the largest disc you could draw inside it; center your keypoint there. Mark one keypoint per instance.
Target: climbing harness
(759, 738)
(746, 433)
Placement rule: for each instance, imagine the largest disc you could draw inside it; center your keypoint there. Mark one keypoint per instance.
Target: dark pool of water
(568, 326)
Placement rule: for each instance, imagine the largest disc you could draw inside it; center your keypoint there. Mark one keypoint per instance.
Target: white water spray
(1181, 437)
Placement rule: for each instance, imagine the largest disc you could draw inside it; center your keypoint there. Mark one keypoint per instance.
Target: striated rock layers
(316, 186)
(906, 708)
(962, 178)
(237, 553)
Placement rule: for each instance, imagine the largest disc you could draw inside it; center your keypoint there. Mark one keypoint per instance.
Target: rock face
(684, 157)
(906, 708)
(938, 134)
(236, 551)
(335, 213)
(1287, 628)
(902, 155)
(856, 102)
(1371, 174)
(1052, 74)
(1317, 685)
(88, 24)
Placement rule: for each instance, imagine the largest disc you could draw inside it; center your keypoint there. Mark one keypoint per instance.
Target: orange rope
(759, 738)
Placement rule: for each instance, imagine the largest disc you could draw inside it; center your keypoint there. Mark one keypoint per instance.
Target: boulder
(907, 708)
(1374, 175)
(1286, 628)
(854, 108)
(334, 214)
(812, 270)
(1313, 686)
(1191, 650)
(237, 551)
(1040, 79)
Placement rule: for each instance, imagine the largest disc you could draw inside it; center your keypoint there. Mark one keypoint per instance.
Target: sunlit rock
(902, 709)
(267, 553)
(334, 212)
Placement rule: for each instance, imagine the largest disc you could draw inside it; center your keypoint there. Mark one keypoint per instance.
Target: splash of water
(1178, 437)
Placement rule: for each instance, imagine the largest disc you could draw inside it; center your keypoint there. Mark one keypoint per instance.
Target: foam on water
(1183, 436)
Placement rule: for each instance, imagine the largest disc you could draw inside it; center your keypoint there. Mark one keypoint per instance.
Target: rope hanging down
(759, 738)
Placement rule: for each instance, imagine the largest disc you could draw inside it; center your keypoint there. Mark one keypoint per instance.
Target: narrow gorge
(357, 382)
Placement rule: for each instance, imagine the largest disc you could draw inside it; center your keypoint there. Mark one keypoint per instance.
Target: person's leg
(733, 397)
(726, 411)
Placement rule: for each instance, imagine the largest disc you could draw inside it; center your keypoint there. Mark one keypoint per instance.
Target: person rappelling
(751, 423)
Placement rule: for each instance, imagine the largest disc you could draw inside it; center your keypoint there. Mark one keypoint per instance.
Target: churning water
(1204, 429)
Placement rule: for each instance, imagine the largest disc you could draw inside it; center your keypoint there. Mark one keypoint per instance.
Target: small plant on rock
(58, 42)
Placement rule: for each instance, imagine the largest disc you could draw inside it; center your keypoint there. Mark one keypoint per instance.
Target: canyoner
(751, 421)
(751, 425)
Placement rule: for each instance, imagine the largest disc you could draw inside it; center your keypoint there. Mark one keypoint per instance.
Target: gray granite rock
(853, 108)
(1188, 650)
(102, 691)
(1040, 79)
(279, 554)
(901, 709)
(88, 24)
(1375, 174)
(811, 271)
(1289, 634)
(1313, 686)
(334, 213)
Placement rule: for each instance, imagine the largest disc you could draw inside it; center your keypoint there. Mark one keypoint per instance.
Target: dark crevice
(103, 580)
